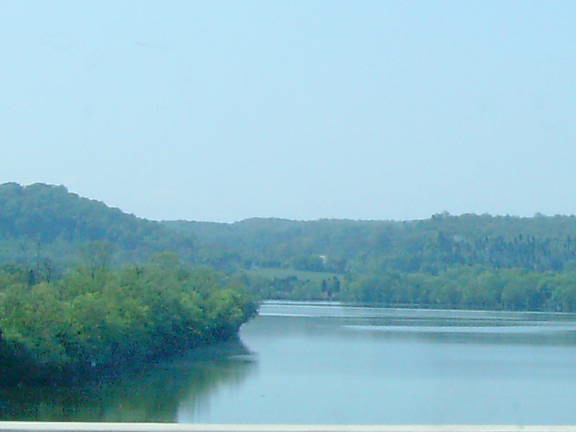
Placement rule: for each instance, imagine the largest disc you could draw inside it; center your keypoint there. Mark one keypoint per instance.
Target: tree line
(468, 287)
(98, 318)
(474, 287)
(45, 228)
(431, 245)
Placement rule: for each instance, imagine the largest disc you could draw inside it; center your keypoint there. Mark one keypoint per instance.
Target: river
(333, 364)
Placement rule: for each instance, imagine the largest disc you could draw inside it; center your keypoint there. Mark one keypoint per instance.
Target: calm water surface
(328, 363)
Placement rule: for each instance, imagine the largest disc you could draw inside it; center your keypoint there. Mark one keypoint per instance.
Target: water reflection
(150, 395)
(344, 365)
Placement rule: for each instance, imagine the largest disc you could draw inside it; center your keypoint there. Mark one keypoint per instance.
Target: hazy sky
(223, 110)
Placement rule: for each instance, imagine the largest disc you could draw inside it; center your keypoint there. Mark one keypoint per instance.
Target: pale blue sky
(223, 110)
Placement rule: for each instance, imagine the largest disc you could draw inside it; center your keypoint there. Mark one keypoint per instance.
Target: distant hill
(40, 220)
(49, 221)
(431, 245)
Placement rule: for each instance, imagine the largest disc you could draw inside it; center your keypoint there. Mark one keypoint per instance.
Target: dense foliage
(459, 287)
(41, 223)
(468, 287)
(432, 245)
(495, 262)
(45, 228)
(95, 319)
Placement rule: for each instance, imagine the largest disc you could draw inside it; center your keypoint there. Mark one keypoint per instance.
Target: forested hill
(49, 221)
(45, 221)
(538, 243)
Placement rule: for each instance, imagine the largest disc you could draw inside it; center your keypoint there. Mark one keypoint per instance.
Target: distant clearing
(283, 273)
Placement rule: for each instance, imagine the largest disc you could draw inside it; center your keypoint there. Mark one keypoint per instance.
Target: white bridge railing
(172, 427)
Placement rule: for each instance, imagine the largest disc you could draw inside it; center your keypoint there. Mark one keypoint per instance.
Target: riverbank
(96, 320)
(303, 363)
